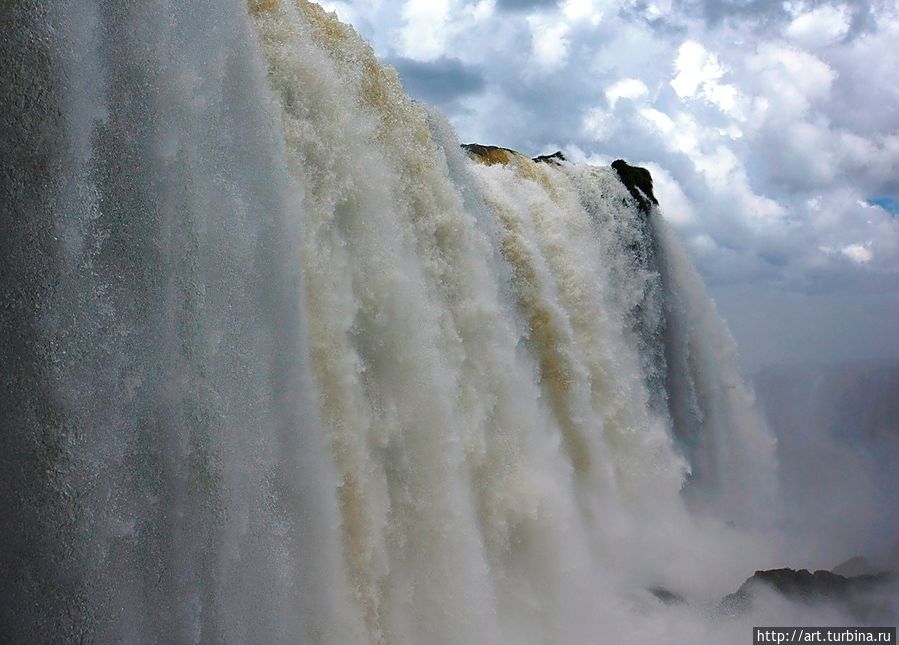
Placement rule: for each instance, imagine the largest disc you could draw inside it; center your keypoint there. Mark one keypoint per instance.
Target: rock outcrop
(638, 182)
(490, 155)
(866, 597)
(555, 157)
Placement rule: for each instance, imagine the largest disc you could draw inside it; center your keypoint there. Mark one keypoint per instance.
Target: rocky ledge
(866, 597)
(490, 155)
(637, 180)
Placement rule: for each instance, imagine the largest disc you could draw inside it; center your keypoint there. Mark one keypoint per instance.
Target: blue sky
(890, 204)
(771, 129)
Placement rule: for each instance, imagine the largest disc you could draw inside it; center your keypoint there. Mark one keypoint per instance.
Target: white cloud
(598, 124)
(582, 11)
(626, 88)
(698, 75)
(660, 120)
(858, 253)
(695, 66)
(703, 244)
(480, 11)
(424, 35)
(549, 42)
(676, 206)
(788, 78)
(820, 26)
(656, 10)
(723, 95)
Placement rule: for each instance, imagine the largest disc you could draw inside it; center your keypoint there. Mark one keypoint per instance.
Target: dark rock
(638, 182)
(667, 597)
(802, 583)
(854, 593)
(555, 157)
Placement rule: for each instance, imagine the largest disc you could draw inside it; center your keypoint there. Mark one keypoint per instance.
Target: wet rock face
(866, 597)
(489, 154)
(802, 583)
(555, 157)
(494, 154)
(638, 182)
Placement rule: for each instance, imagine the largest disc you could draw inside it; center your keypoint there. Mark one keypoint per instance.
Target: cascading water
(282, 364)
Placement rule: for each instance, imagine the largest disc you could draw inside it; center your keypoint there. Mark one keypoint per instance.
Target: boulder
(638, 182)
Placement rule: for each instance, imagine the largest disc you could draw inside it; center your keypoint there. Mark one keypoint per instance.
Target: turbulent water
(281, 363)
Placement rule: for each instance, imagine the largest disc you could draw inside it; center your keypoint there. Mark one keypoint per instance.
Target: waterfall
(283, 363)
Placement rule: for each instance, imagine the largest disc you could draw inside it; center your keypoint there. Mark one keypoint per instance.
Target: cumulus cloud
(424, 34)
(696, 69)
(858, 253)
(820, 26)
(626, 88)
(772, 127)
(549, 44)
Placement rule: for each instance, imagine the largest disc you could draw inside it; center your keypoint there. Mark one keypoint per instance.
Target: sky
(771, 130)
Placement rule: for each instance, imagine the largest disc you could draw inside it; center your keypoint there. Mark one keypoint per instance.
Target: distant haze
(838, 445)
(781, 327)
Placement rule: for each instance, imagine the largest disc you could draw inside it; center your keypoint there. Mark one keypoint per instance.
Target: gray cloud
(769, 14)
(715, 11)
(439, 82)
(525, 5)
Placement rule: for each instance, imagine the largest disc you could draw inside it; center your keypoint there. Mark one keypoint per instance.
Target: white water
(301, 371)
